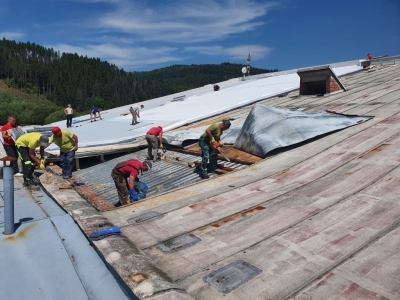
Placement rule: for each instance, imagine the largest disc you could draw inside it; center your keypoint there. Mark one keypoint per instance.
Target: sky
(145, 35)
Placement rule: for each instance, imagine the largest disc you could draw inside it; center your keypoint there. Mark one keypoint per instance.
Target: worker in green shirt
(211, 136)
(26, 145)
(68, 143)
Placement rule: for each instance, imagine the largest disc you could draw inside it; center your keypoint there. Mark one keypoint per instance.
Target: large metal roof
(319, 220)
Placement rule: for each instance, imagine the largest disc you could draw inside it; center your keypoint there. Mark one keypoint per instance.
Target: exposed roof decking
(261, 214)
(167, 174)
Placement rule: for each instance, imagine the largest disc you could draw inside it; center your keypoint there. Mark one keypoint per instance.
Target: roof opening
(319, 81)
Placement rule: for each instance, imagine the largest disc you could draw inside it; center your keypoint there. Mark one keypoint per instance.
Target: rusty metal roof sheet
(166, 175)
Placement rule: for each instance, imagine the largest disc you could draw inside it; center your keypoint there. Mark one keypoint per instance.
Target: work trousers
(12, 151)
(152, 146)
(207, 155)
(67, 162)
(121, 184)
(69, 120)
(28, 166)
(134, 117)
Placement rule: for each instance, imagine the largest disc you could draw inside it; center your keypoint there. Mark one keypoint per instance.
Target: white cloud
(11, 35)
(186, 21)
(238, 52)
(121, 56)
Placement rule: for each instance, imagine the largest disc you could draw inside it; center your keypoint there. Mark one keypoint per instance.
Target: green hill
(40, 82)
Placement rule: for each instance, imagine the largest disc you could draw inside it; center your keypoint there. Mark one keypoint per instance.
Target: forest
(52, 80)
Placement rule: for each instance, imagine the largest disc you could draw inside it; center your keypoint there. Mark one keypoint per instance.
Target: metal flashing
(232, 276)
(179, 243)
(146, 217)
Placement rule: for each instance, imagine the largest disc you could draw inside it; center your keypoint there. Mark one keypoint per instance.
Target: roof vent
(319, 81)
(145, 217)
(230, 277)
(179, 243)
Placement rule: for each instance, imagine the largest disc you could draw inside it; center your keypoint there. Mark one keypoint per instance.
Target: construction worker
(68, 143)
(120, 174)
(93, 111)
(152, 143)
(69, 113)
(9, 144)
(209, 137)
(135, 111)
(26, 145)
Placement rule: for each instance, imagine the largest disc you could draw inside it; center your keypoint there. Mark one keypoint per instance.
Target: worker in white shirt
(135, 111)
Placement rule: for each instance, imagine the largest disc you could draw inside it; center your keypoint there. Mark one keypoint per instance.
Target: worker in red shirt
(9, 144)
(370, 56)
(120, 174)
(152, 143)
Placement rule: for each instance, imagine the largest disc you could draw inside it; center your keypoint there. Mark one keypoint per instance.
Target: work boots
(204, 176)
(31, 186)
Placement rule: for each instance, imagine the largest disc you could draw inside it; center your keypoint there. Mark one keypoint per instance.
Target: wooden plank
(240, 231)
(225, 205)
(206, 189)
(292, 259)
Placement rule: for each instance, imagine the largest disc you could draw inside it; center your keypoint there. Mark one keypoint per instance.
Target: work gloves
(133, 195)
(161, 146)
(221, 144)
(212, 141)
(42, 166)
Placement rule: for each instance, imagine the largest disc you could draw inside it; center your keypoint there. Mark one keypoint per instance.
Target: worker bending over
(152, 143)
(211, 136)
(121, 173)
(68, 143)
(93, 111)
(26, 145)
(135, 111)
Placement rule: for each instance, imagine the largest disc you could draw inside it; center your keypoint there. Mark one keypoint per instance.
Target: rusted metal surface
(100, 203)
(299, 216)
(319, 219)
(264, 190)
(316, 245)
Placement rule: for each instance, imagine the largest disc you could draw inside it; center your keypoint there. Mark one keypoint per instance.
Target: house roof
(197, 104)
(318, 219)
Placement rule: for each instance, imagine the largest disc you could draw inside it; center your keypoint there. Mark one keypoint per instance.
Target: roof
(319, 218)
(115, 127)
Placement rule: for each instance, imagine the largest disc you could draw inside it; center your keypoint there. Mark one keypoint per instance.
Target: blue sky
(146, 35)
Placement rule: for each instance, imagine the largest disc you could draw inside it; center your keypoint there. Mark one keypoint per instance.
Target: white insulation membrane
(268, 128)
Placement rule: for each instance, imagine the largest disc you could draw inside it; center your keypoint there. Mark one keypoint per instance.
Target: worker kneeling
(126, 188)
(211, 136)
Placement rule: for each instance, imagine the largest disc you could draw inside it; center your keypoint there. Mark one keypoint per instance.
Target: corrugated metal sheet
(167, 174)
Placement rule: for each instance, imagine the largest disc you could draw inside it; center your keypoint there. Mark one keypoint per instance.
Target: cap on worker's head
(148, 164)
(44, 140)
(56, 131)
(226, 123)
